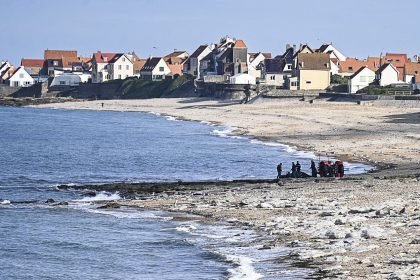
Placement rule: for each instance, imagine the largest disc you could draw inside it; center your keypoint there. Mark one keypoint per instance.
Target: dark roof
(175, 54)
(274, 65)
(151, 63)
(323, 48)
(198, 51)
(314, 61)
(227, 53)
(288, 54)
(101, 57)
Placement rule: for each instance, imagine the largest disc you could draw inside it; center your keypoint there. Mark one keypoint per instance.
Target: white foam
(186, 228)
(102, 196)
(222, 132)
(120, 214)
(171, 118)
(154, 113)
(5, 202)
(244, 269)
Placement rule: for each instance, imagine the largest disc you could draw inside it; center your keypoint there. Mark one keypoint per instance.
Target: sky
(358, 28)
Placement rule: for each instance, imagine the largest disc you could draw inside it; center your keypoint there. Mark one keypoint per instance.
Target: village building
(411, 71)
(4, 65)
(111, 66)
(256, 64)
(242, 79)
(58, 61)
(20, 78)
(352, 65)
(192, 64)
(6, 73)
(34, 67)
(361, 79)
(155, 69)
(332, 52)
(398, 60)
(313, 71)
(387, 74)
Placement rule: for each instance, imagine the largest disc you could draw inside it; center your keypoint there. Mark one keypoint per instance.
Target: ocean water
(41, 148)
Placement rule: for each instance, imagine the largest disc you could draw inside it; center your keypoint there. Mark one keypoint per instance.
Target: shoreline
(359, 226)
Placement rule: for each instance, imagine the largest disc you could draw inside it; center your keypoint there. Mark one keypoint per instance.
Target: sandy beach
(360, 227)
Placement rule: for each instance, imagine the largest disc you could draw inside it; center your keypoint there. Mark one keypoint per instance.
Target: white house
(387, 74)
(332, 51)
(361, 79)
(70, 79)
(155, 69)
(20, 78)
(111, 66)
(243, 79)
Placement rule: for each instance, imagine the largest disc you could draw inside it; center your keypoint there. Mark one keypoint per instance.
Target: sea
(43, 148)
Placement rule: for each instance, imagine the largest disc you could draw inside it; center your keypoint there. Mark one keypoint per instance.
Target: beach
(363, 226)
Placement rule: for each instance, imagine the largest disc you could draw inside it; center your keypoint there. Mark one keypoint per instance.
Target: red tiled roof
(101, 57)
(176, 69)
(57, 54)
(412, 68)
(27, 62)
(239, 44)
(352, 65)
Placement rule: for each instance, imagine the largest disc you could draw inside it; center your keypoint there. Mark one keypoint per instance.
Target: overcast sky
(359, 28)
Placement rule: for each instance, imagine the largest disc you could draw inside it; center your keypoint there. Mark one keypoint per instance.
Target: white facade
(194, 62)
(389, 75)
(360, 80)
(157, 73)
(275, 79)
(122, 68)
(334, 68)
(335, 53)
(70, 79)
(21, 78)
(243, 79)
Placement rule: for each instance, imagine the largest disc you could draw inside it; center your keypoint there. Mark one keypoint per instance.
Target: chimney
(294, 48)
(287, 46)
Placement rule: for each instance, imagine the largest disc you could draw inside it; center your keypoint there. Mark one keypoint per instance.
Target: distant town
(228, 62)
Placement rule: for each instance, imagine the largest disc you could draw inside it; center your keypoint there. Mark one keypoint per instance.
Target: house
(387, 74)
(70, 79)
(361, 79)
(4, 65)
(332, 51)
(111, 66)
(398, 60)
(155, 69)
(34, 67)
(20, 78)
(256, 64)
(277, 70)
(313, 71)
(352, 65)
(6, 73)
(412, 74)
(192, 64)
(60, 60)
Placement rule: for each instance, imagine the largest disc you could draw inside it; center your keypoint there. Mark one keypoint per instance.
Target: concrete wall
(314, 79)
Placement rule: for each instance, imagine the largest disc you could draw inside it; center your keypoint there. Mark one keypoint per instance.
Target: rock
(361, 211)
(213, 203)
(326, 214)
(50, 200)
(265, 205)
(242, 204)
(62, 203)
(334, 234)
(382, 212)
(91, 194)
(415, 241)
(110, 205)
(265, 247)
(339, 222)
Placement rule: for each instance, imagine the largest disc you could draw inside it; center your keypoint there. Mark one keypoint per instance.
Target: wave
(130, 214)
(154, 113)
(244, 269)
(4, 202)
(102, 196)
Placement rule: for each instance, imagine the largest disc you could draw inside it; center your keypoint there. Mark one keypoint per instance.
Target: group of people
(326, 169)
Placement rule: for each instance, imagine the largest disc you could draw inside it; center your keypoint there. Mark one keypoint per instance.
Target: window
(119, 76)
(161, 69)
(119, 67)
(21, 76)
(127, 67)
(123, 59)
(350, 68)
(62, 82)
(294, 84)
(107, 77)
(55, 63)
(289, 66)
(308, 82)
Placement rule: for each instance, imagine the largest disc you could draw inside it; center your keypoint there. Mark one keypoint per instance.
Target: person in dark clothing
(313, 169)
(293, 170)
(298, 169)
(279, 170)
(340, 169)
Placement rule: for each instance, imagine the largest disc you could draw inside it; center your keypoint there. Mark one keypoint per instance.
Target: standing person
(293, 170)
(313, 169)
(102, 104)
(298, 169)
(279, 170)
(341, 169)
